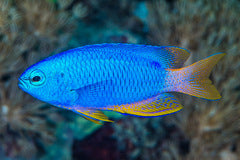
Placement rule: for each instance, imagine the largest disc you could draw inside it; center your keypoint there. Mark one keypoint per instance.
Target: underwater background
(31, 30)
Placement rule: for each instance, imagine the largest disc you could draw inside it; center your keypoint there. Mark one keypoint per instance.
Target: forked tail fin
(194, 79)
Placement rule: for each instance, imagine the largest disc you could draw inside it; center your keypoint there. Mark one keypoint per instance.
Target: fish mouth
(22, 84)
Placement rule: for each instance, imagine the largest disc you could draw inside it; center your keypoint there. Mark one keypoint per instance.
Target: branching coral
(143, 138)
(80, 10)
(49, 21)
(6, 65)
(25, 124)
(9, 25)
(47, 25)
(9, 16)
(11, 56)
(185, 23)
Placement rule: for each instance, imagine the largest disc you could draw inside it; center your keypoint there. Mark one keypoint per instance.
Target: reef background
(31, 30)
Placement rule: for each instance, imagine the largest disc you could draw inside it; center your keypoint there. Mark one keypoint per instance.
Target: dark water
(31, 30)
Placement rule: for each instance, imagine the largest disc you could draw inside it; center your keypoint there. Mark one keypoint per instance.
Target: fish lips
(22, 83)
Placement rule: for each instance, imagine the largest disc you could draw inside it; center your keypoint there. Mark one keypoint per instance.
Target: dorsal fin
(166, 56)
(174, 57)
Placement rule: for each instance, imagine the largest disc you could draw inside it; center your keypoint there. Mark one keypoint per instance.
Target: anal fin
(162, 104)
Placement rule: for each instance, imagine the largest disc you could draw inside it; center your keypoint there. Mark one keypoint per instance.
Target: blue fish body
(127, 78)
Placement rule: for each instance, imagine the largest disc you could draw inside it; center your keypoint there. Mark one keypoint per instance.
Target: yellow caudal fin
(194, 79)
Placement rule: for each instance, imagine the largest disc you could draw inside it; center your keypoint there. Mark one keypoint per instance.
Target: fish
(131, 79)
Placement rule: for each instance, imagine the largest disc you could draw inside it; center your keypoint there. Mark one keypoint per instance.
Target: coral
(9, 20)
(143, 138)
(49, 20)
(80, 11)
(6, 65)
(9, 16)
(50, 28)
(25, 124)
(11, 60)
(29, 31)
(212, 22)
(63, 4)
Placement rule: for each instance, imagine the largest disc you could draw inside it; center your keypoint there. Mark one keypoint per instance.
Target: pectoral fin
(95, 116)
(92, 120)
(93, 94)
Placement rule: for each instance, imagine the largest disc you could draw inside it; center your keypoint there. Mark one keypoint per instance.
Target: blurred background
(31, 30)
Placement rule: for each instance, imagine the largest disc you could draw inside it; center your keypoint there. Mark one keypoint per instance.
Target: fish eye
(37, 77)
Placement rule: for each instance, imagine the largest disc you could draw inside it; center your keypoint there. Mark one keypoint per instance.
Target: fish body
(127, 78)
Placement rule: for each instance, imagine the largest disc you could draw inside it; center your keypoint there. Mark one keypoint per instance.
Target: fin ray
(93, 115)
(167, 56)
(194, 79)
(88, 96)
(174, 57)
(159, 105)
(92, 120)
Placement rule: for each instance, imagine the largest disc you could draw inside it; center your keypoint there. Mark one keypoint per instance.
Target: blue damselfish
(127, 78)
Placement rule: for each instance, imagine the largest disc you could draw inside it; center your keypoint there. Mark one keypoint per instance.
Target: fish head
(41, 81)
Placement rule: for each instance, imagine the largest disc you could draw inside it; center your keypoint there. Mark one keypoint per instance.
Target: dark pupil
(36, 79)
